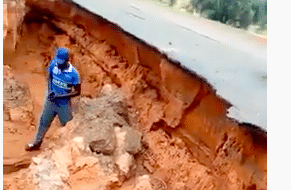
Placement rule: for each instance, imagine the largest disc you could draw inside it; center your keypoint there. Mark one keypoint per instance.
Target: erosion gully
(167, 95)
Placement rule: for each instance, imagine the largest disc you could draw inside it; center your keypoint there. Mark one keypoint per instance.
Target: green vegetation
(237, 13)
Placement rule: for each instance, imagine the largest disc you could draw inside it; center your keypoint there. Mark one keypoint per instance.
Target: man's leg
(46, 119)
(64, 112)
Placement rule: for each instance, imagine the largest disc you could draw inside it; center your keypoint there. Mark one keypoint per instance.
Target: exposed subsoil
(188, 142)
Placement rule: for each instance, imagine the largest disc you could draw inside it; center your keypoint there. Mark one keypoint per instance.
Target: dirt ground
(167, 157)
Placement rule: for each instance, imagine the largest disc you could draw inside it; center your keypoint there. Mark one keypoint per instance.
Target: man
(63, 83)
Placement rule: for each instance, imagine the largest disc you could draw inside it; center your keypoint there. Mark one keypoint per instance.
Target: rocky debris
(16, 98)
(97, 120)
(61, 168)
(48, 172)
(147, 182)
(97, 141)
(107, 129)
(104, 109)
(47, 176)
(90, 170)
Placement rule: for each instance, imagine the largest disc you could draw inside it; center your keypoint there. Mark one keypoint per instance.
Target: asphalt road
(232, 60)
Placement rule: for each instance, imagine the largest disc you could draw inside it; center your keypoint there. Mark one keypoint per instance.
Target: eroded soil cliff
(187, 140)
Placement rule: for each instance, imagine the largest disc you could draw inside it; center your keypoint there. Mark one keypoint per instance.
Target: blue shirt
(61, 78)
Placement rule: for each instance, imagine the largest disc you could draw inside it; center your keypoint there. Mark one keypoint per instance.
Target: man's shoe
(32, 146)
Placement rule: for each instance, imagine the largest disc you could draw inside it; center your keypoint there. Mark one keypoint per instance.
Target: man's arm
(49, 81)
(50, 76)
(76, 90)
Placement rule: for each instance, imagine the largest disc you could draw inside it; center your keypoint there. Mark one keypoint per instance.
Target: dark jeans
(60, 107)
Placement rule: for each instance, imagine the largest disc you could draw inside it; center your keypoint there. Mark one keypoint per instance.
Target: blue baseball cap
(63, 55)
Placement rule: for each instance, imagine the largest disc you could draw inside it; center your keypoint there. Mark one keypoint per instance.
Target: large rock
(132, 142)
(103, 146)
(97, 118)
(100, 137)
(110, 106)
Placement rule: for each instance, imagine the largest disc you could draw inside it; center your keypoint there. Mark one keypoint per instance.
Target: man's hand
(70, 85)
(75, 91)
(52, 96)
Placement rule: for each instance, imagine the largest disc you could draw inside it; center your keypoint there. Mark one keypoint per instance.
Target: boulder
(97, 118)
(101, 137)
(103, 146)
(132, 142)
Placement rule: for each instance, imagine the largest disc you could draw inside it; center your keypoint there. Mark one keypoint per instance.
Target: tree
(238, 13)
